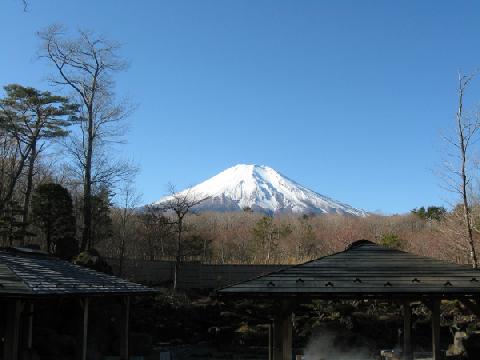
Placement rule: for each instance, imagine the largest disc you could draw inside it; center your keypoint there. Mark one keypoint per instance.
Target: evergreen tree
(30, 117)
(11, 225)
(306, 239)
(52, 211)
(268, 233)
(102, 227)
(431, 213)
(392, 241)
(158, 232)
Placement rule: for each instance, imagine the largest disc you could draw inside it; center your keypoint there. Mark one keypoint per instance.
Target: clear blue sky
(345, 97)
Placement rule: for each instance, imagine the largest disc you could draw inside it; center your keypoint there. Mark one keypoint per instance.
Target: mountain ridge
(261, 188)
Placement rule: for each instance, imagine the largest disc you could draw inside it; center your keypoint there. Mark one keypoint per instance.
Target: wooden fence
(191, 275)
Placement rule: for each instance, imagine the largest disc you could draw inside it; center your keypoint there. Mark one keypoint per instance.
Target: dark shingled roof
(364, 269)
(28, 273)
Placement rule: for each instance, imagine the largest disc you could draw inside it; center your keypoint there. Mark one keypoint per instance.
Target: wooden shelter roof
(25, 273)
(364, 269)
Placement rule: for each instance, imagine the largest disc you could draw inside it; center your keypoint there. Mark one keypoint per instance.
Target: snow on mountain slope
(261, 188)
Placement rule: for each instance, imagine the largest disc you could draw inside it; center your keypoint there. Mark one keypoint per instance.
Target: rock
(140, 344)
(457, 348)
(93, 260)
(472, 346)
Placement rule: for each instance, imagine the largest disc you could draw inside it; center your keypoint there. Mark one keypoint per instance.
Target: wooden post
(12, 329)
(407, 331)
(30, 326)
(288, 337)
(270, 341)
(436, 329)
(124, 353)
(85, 304)
(277, 339)
(282, 329)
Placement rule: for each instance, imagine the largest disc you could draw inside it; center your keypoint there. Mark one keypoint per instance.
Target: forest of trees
(247, 237)
(63, 189)
(58, 169)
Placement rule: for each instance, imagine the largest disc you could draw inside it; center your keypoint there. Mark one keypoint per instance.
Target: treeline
(253, 238)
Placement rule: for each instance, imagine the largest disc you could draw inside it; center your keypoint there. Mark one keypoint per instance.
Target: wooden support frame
(270, 341)
(407, 331)
(12, 330)
(436, 329)
(84, 340)
(124, 332)
(31, 310)
(282, 334)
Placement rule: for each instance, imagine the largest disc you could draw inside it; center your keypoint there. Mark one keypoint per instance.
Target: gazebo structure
(28, 276)
(364, 270)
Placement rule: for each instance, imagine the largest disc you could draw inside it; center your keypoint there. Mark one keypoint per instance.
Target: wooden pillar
(407, 331)
(282, 329)
(270, 341)
(12, 329)
(277, 338)
(30, 326)
(85, 304)
(124, 351)
(436, 329)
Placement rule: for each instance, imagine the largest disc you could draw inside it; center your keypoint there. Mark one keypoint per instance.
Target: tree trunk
(87, 187)
(120, 260)
(151, 248)
(13, 180)
(204, 250)
(28, 190)
(178, 254)
(162, 247)
(122, 241)
(48, 236)
(464, 179)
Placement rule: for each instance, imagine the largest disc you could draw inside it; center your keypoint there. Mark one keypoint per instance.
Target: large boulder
(472, 346)
(93, 260)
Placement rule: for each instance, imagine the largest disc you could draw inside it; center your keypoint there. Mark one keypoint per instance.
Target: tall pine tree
(31, 117)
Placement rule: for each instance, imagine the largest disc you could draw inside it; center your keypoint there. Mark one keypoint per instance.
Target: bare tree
(157, 231)
(180, 204)
(129, 199)
(86, 66)
(458, 176)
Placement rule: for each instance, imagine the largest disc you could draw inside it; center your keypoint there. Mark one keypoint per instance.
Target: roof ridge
(366, 271)
(288, 267)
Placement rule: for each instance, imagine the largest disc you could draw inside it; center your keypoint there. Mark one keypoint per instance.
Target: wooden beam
(436, 329)
(270, 341)
(12, 329)
(407, 331)
(277, 337)
(288, 338)
(124, 350)
(282, 329)
(85, 304)
(30, 326)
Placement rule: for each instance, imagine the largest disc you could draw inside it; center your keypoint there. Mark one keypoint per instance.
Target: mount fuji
(261, 188)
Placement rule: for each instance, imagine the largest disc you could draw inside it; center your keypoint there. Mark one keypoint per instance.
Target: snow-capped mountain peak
(262, 188)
